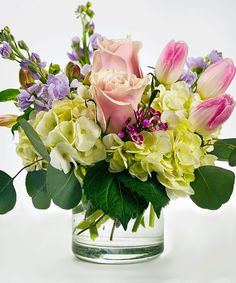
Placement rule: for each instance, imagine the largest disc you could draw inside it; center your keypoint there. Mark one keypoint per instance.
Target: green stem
(25, 168)
(85, 47)
(137, 223)
(94, 224)
(93, 232)
(152, 217)
(113, 230)
(90, 220)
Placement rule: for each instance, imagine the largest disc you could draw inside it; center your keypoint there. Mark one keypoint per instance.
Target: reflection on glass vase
(97, 238)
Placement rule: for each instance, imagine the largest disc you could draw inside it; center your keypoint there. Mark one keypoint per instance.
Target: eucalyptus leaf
(36, 189)
(106, 192)
(64, 189)
(212, 187)
(9, 94)
(151, 190)
(7, 193)
(223, 148)
(232, 158)
(34, 139)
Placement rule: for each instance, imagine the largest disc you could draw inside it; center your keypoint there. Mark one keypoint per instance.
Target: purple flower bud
(196, 63)
(138, 139)
(86, 69)
(121, 134)
(215, 56)
(94, 40)
(163, 126)
(6, 51)
(35, 57)
(146, 123)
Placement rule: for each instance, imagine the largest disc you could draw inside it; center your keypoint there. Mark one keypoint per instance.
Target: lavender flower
(215, 56)
(58, 86)
(24, 99)
(189, 77)
(6, 51)
(86, 69)
(94, 40)
(33, 65)
(196, 63)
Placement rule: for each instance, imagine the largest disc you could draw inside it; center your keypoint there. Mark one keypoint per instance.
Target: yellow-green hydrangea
(70, 133)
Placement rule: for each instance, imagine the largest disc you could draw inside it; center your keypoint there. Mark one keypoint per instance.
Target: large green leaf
(108, 194)
(213, 186)
(36, 188)
(223, 148)
(64, 189)
(151, 190)
(7, 193)
(34, 139)
(232, 158)
(9, 94)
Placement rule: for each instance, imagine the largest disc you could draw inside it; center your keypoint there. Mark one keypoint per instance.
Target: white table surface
(35, 247)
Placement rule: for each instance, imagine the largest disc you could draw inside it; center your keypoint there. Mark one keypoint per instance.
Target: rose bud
(8, 120)
(212, 113)
(25, 78)
(216, 79)
(171, 62)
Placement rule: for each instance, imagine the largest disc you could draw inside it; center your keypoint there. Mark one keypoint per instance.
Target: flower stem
(94, 224)
(137, 223)
(152, 217)
(26, 167)
(113, 230)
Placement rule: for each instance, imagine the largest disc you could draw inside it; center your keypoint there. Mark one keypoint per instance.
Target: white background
(35, 245)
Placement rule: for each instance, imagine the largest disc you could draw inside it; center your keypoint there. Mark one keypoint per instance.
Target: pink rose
(117, 95)
(118, 55)
(212, 113)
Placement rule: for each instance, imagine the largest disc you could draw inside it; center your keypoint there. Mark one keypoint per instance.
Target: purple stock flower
(6, 51)
(24, 99)
(94, 40)
(197, 63)
(86, 69)
(25, 64)
(189, 77)
(58, 86)
(215, 56)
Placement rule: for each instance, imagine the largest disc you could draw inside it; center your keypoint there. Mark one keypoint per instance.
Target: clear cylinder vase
(100, 239)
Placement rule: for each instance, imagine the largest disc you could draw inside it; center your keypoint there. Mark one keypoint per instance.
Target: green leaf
(107, 193)
(151, 190)
(64, 189)
(223, 148)
(25, 116)
(213, 186)
(9, 94)
(34, 139)
(232, 158)
(36, 188)
(7, 193)
(153, 96)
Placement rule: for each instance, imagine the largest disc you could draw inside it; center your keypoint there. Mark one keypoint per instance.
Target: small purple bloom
(189, 77)
(121, 134)
(198, 62)
(146, 123)
(58, 86)
(138, 139)
(94, 40)
(215, 56)
(86, 69)
(24, 99)
(35, 57)
(6, 50)
(25, 64)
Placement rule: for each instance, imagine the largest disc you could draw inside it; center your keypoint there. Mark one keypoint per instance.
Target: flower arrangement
(102, 137)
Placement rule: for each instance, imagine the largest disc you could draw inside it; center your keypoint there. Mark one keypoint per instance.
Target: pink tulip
(216, 79)
(8, 120)
(118, 55)
(171, 62)
(212, 113)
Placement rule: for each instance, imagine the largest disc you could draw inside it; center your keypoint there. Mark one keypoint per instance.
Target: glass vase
(99, 239)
